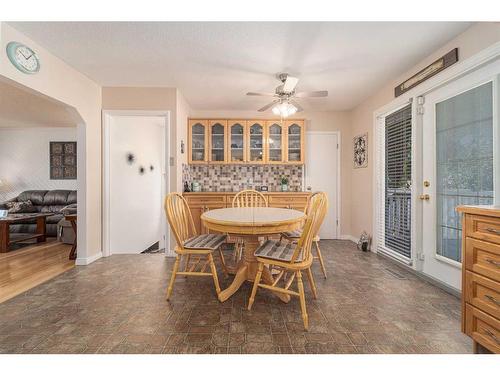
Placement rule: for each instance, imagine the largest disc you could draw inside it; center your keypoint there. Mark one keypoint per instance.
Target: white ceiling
(215, 63)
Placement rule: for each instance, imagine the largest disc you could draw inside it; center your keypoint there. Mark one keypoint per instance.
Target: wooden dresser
(481, 276)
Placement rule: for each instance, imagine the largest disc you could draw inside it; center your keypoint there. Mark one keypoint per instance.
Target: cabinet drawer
(482, 258)
(204, 200)
(484, 228)
(483, 328)
(483, 293)
(288, 199)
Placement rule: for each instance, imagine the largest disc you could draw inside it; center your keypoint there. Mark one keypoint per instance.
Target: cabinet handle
(492, 230)
(494, 262)
(492, 335)
(493, 299)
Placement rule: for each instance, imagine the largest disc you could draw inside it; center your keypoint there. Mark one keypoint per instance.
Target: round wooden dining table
(250, 223)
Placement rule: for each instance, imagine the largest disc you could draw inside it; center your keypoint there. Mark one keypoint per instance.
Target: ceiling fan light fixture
(284, 109)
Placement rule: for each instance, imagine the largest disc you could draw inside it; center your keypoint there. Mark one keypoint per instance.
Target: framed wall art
(361, 151)
(62, 160)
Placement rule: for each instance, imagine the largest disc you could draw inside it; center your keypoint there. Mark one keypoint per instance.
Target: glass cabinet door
(237, 142)
(198, 141)
(217, 141)
(256, 142)
(295, 140)
(275, 140)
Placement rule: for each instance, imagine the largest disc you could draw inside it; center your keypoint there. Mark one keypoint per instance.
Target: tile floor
(117, 305)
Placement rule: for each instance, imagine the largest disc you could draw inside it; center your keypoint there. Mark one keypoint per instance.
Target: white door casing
(322, 174)
(133, 217)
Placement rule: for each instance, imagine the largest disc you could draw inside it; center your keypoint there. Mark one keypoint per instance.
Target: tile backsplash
(238, 177)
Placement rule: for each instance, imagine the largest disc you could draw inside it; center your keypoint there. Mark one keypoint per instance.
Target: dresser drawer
(482, 258)
(482, 293)
(483, 328)
(484, 228)
(195, 200)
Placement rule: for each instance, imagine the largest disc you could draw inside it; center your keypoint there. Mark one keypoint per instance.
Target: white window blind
(393, 154)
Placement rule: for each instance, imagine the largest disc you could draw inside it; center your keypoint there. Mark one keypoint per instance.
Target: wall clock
(23, 58)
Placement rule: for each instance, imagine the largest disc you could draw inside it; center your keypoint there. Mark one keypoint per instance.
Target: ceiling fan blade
(261, 94)
(312, 94)
(290, 84)
(297, 105)
(266, 107)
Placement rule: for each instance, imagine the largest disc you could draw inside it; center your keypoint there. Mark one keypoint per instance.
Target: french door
(459, 165)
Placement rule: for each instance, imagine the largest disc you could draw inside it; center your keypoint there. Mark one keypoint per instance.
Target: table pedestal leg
(247, 270)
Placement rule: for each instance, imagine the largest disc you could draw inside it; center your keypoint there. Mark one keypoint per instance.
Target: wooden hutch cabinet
(246, 141)
(256, 142)
(295, 134)
(198, 141)
(275, 134)
(217, 141)
(237, 145)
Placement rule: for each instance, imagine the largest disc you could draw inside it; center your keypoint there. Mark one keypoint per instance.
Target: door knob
(424, 197)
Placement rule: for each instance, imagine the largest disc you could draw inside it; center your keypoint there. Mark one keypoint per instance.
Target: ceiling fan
(285, 104)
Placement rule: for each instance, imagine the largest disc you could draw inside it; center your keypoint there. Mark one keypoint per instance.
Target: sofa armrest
(3, 205)
(70, 209)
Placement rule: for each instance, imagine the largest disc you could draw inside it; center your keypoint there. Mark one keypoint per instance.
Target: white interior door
(458, 154)
(136, 187)
(321, 174)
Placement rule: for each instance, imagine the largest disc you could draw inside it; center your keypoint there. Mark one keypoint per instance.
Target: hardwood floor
(23, 269)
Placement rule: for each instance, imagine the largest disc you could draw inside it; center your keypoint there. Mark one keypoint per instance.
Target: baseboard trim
(348, 237)
(88, 260)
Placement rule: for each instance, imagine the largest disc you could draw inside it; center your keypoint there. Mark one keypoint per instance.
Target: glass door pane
(217, 141)
(275, 142)
(198, 142)
(237, 142)
(464, 162)
(256, 142)
(294, 143)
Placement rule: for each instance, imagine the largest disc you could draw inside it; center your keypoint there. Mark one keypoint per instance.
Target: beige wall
(183, 112)
(59, 81)
(315, 121)
(473, 40)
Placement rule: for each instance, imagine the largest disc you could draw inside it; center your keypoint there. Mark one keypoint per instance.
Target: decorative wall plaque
(62, 160)
(440, 64)
(361, 151)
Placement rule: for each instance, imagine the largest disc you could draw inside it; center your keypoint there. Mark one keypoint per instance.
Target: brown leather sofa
(45, 201)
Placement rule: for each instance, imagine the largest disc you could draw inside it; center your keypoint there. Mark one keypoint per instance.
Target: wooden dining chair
(246, 198)
(250, 198)
(194, 247)
(295, 235)
(292, 258)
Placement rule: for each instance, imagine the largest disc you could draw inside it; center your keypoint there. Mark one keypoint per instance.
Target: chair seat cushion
(277, 250)
(205, 241)
(295, 235)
